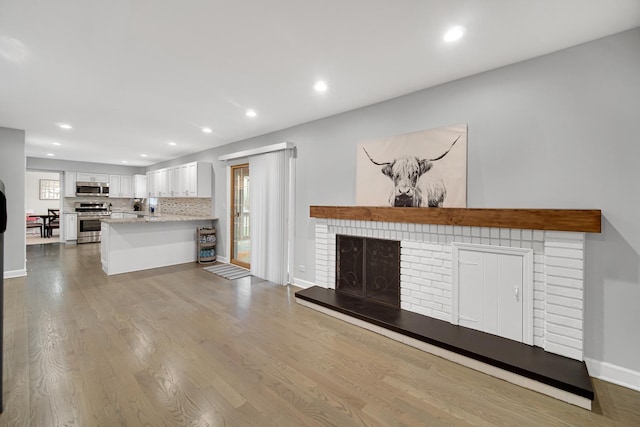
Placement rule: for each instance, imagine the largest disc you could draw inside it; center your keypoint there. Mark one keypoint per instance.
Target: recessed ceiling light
(206, 130)
(65, 126)
(251, 113)
(453, 34)
(55, 143)
(321, 86)
(143, 155)
(124, 161)
(172, 143)
(50, 154)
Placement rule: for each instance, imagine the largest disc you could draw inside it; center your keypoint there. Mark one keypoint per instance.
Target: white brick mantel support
(425, 271)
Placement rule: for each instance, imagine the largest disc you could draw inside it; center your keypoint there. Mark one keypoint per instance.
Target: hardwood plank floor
(179, 346)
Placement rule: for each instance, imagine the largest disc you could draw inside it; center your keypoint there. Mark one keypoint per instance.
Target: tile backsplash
(117, 204)
(165, 205)
(185, 206)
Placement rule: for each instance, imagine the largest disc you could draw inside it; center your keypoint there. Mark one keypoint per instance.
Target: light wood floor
(180, 346)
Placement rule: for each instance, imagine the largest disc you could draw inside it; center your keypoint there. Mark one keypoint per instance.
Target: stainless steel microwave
(93, 189)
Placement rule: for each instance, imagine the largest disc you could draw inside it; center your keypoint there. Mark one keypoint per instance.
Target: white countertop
(148, 217)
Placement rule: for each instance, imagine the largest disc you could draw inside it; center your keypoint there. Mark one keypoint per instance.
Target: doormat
(228, 271)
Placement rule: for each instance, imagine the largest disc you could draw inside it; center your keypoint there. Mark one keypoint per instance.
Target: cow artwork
(420, 169)
(405, 172)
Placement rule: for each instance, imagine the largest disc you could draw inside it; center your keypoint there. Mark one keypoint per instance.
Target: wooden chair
(53, 221)
(34, 222)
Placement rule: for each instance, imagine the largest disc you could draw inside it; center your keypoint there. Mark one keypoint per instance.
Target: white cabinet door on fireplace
(490, 293)
(508, 316)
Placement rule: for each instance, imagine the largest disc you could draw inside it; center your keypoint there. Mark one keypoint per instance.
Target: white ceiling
(132, 75)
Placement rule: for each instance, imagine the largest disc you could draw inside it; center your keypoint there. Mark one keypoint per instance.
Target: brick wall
(426, 270)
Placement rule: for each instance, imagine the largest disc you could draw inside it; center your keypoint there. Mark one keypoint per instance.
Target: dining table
(45, 218)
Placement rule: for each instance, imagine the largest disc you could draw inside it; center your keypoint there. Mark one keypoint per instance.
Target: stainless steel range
(89, 216)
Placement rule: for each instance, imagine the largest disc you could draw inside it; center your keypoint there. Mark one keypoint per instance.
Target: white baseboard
(15, 273)
(222, 259)
(302, 283)
(613, 373)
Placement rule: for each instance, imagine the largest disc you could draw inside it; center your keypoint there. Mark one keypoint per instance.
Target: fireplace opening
(368, 269)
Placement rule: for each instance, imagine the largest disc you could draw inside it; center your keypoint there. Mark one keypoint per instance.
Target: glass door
(240, 236)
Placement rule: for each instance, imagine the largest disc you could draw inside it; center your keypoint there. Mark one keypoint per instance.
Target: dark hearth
(368, 269)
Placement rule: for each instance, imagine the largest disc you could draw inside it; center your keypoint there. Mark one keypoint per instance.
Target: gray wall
(12, 173)
(558, 131)
(32, 192)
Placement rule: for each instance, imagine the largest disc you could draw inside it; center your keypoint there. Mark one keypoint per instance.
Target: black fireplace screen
(369, 269)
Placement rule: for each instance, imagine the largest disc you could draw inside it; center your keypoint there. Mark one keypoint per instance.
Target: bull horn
(445, 153)
(373, 161)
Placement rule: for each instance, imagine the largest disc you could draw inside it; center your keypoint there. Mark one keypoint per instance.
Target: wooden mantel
(580, 220)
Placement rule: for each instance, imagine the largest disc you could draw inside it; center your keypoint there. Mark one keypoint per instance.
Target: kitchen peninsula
(143, 241)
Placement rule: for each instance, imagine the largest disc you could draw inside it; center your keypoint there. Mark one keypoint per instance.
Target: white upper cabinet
(188, 180)
(155, 183)
(92, 177)
(151, 184)
(69, 184)
(173, 182)
(120, 186)
(126, 186)
(196, 178)
(190, 174)
(139, 186)
(161, 183)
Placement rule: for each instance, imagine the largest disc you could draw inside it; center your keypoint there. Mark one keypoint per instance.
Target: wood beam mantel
(580, 220)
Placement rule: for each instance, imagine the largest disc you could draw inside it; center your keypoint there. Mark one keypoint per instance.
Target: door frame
(232, 214)
(527, 281)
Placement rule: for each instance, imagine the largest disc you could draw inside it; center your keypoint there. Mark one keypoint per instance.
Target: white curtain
(269, 211)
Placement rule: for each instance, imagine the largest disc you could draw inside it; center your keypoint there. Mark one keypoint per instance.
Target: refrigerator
(3, 228)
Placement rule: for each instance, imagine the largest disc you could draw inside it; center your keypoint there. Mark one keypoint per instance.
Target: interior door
(240, 232)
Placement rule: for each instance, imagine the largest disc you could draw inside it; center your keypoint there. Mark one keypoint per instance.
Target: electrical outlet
(302, 267)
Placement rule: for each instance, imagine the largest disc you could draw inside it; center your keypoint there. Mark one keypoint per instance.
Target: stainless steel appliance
(3, 228)
(93, 189)
(89, 216)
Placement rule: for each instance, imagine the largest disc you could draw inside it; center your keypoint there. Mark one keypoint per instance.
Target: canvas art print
(419, 169)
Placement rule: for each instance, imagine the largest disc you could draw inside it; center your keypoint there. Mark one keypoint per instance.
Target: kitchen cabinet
(173, 182)
(121, 186)
(70, 226)
(141, 245)
(140, 186)
(92, 177)
(190, 174)
(155, 184)
(105, 237)
(197, 179)
(69, 184)
(158, 183)
(161, 181)
(188, 180)
(126, 186)
(151, 184)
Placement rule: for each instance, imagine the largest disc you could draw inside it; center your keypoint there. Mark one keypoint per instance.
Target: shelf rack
(206, 245)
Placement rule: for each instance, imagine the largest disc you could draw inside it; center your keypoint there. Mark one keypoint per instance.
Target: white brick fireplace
(426, 271)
